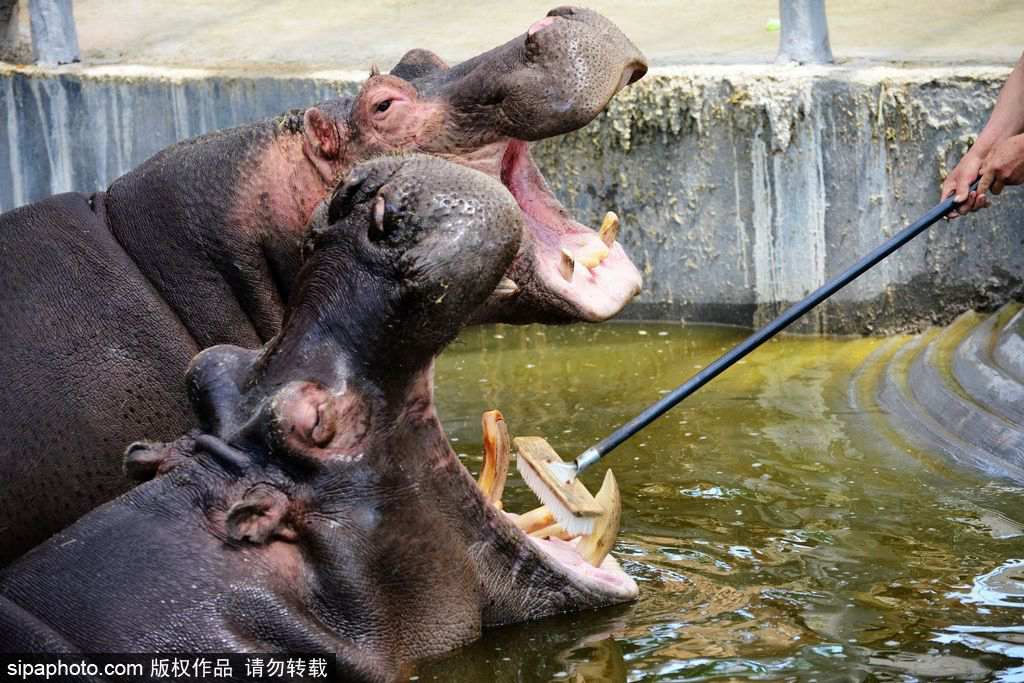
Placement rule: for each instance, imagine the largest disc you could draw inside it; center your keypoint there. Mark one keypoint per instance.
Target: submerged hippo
(107, 297)
(319, 506)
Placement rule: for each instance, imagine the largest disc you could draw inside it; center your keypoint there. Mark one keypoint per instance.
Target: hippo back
(85, 336)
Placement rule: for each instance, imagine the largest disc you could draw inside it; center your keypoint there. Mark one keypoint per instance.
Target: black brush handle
(791, 315)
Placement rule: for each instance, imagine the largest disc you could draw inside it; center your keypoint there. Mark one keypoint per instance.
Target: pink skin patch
(597, 292)
(539, 25)
(390, 115)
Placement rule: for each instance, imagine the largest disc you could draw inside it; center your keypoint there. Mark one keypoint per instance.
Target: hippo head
(342, 481)
(482, 113)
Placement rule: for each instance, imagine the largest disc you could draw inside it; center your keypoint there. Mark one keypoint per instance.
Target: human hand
(959, 181)
(1003, 166)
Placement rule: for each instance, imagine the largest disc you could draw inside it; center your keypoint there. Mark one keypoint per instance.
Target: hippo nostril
(563, 11)
(636, 71)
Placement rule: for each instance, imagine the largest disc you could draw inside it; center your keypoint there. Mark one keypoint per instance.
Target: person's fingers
(987, 176)
(982, 203)
(967, 205)
(963, 186)
(948, 186)
(997, 185)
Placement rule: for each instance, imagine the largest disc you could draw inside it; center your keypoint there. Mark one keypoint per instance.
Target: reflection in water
(1001, 587)
(570, 648)
(775, 531)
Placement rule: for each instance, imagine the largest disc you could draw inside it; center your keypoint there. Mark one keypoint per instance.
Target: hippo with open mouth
(319, 507)
(107, 297)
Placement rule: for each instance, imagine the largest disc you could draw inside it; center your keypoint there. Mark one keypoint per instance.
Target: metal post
(804, 37)
(54, 38)
(14, 34)
(6, 11)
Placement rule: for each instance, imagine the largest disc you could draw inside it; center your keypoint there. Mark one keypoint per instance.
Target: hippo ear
(259, 516)
(417, 64)
(322, 134)
(145, 460)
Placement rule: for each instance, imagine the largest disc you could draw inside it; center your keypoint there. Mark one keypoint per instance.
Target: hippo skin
(319, 507)
(107, 297)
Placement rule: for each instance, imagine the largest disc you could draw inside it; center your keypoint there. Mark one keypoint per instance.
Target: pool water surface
(775, 532)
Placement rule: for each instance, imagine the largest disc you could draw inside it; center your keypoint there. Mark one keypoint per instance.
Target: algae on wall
(741, 188)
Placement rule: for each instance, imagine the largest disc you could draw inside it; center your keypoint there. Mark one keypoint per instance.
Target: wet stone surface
(776, 533)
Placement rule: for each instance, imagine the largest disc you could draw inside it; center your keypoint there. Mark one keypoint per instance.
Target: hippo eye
(383, 106)
(386, 221)
(323, 429)
(379, 212)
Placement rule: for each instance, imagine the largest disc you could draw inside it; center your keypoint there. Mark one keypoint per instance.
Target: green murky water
(775, 533)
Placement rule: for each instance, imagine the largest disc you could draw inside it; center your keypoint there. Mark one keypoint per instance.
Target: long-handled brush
(554, 481)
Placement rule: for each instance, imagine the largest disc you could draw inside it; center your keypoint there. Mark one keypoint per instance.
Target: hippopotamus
(107, 297)
(318, 506)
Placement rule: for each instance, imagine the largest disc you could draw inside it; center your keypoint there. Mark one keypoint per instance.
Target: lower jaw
(585, 560)
(608, 573)
(537, 297)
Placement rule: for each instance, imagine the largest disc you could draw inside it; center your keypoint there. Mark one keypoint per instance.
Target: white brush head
(574, 524)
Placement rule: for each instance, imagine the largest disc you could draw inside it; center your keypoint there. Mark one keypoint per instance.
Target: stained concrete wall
(741, 188)
(744, 188)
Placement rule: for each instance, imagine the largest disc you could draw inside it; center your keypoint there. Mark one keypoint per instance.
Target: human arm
(999, 138)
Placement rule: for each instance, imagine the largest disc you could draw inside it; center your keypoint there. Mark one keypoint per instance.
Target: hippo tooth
(609, 231)
(552, 531)
(596, 546)
(507, 287)
(535, 520)
(593, 256)
(567, 265)
(496, 457)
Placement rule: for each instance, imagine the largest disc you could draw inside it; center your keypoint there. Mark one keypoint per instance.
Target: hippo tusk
(507, 287)
(497, 447)
(567, 265)
(609, 231)
(596, 546)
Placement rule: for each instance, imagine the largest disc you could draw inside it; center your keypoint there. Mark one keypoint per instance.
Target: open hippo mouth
(323, 451)
(563, 266)
(582, 561)
(483, 113)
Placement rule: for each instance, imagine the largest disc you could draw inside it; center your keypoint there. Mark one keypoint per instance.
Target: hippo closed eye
(319, 506)
(109, 296)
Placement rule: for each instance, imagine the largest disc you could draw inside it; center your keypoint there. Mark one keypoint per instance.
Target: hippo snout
(614, 41)
(618, 46)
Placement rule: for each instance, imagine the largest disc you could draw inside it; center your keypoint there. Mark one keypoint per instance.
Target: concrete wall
(741, 188)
